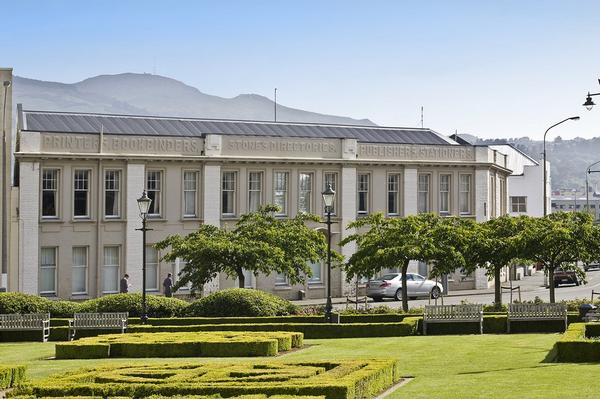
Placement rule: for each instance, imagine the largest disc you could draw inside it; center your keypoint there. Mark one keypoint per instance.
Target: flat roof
(136, 125)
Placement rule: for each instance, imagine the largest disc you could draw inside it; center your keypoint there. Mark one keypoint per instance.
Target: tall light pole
(573, 118)
(587, 185)
(4, 267)
(144, 205)
(328, 199)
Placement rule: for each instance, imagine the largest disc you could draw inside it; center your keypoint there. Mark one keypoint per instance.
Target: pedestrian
(124, 289)
(168, 286)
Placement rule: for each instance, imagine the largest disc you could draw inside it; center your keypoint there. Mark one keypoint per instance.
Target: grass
(467, 366)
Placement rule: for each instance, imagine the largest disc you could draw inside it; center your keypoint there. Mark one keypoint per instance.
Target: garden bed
(181, 344)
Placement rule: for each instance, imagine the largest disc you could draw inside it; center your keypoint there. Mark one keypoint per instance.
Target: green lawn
(467, 366)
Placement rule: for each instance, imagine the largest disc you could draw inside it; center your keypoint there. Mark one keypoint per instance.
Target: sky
(496, 69)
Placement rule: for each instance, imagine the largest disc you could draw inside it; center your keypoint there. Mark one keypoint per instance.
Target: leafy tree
(499, 245)
(392, 243)
(560, 240)
(260, 243)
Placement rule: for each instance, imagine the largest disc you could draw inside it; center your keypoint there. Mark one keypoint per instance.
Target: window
(363, 193)
(110, 271)
(305, 193)
(50, 193)
(153, 189)
(281, 279)
(178, 266)
(423, 193)
(81, 191)
(316, 268)
(151, 268)
(464, 195)
(445, 181)
(518, 204)
(228, 193)
(48, 271)
(248, 278)
(255, 184)
(393, 194)
(280, 194)
(190, 185)
(112, 189)
(79, 270)
(330, 178)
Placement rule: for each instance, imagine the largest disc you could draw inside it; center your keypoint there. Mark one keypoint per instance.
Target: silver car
(390, 286)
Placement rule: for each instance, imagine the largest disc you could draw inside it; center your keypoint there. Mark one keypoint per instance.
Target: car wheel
(435, 292)
(398, 295)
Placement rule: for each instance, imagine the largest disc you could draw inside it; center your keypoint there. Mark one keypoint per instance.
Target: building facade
(79, 177)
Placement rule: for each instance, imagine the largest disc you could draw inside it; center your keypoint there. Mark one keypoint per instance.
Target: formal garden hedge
(11, 376)
(580, 343)
(182, 344)
(349, 379)
(254, 396)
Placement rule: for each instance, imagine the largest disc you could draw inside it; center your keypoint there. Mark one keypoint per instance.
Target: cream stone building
(79, 175)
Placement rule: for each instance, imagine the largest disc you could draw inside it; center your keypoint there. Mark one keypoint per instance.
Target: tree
(392, 243)
(259, 243)
(560, 240)
(500, 244)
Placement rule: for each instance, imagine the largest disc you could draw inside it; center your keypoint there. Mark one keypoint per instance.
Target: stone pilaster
(410, 191)
(348, 214)
(133, 239)
(29, 208)
(212, 208)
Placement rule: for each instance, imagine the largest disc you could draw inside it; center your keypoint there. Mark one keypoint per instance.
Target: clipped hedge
(255, 396)
(11, 376)
(181, 344)
(310, 330)
(497, 324)
(349, 379)
(158, 306)
(16, 302)
(577, 344)
(240, 302)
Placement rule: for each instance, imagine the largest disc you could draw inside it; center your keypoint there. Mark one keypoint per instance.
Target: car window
(388, 276)
(418, 277)
(409, 277)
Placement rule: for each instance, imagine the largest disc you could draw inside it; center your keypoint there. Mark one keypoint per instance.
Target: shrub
(158, 306)
(16, 302)
(11, 376)
(240, 302)
(78, 350)
(575, 346)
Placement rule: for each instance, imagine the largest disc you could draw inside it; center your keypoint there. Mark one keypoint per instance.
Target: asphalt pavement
(531, 287)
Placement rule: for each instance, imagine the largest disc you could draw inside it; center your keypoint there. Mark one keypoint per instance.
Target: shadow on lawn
(506, 369)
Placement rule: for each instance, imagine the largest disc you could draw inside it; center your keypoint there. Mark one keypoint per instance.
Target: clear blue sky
(491, 68)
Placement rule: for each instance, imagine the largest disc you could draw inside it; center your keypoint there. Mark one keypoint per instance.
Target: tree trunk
(241, 279)
(551, 283)
(497, 286)
(404, 289)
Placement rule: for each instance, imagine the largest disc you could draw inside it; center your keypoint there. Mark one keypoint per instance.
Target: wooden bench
(453, 314)
(26, 322)
(97, 321)
(536, 312)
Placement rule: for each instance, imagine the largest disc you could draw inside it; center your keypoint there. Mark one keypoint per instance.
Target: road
(531, 286)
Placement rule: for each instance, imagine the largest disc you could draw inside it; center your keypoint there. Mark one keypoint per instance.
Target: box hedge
(11, 376)
(255, 396)
(577, 344)
(240, 302)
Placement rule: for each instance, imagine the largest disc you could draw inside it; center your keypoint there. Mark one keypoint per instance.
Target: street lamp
(328, 199)
(144, 205)
(573, 118)
(4, 158)
(589, 104)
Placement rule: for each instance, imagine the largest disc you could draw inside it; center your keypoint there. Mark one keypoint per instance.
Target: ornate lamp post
(573, 118)
(328, 199)
(144, 205)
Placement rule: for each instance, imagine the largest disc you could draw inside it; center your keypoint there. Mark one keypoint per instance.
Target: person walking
(124, 288)
(168, 286)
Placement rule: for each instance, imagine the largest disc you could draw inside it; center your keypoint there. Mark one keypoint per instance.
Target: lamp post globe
(144, 206)
(328, 200)
(589, 104)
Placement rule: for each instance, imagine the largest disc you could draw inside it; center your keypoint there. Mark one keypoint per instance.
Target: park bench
(97, 321)
(26, 322)
(536, 312)
(453, 314)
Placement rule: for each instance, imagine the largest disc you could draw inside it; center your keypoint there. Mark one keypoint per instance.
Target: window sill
(113, 219)
(83, 220)
(155, 219)
(190, 219)
(282, 287)
(316, 286)
(78, 297)
(51, 220)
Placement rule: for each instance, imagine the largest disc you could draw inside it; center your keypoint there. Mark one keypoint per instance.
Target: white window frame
(55, 190)
(84, 267)
(333, 186)
(445, 192)
(158, 193)
(116, 266)
(118, 179)
(87, 190)
(54, 266)
(285, 190)
(305, 193)
(253, 190)
(363, 189)
(519, 204)
(396, 192)
(426, 192)
(185, 190)
(233, 212)
(465, 194)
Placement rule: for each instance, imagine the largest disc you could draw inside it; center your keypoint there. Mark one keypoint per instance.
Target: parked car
(390, 286)
(565, 277)
(592, 265)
